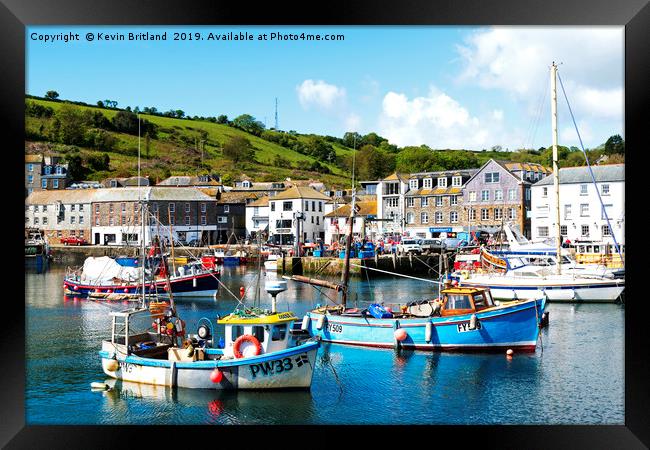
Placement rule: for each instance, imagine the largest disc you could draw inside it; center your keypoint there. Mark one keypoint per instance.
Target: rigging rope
(591, 172)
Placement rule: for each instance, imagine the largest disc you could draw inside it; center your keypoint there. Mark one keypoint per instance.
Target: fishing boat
(36, 248)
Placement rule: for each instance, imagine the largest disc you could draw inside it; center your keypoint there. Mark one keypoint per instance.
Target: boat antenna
(556, 171)
(593, 178)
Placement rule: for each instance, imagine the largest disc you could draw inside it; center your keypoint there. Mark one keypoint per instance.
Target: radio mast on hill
(276, 114)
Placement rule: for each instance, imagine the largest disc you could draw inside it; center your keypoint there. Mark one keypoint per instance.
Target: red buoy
(216, 376)
(401, 334)
(126, 290)
(242, 291)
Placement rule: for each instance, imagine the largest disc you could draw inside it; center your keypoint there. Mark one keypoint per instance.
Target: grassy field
(175, 151)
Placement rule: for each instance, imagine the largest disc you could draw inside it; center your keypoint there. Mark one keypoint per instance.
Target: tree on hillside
(238, 148)
(352, 139)
(372, 163)
(100, 103)
(180, 113)
(71, 127)
(413, 159)
(372, 139)
(248, 123)
(222, 119)
(51, 95)
(615, 145)
(76, 170)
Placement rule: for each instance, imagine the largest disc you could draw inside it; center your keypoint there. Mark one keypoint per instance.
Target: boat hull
(292, 368)
(514, 326)
(599, 292)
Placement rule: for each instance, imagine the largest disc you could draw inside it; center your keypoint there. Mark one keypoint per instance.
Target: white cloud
(352, 122)
(439, 121)
(319, 94)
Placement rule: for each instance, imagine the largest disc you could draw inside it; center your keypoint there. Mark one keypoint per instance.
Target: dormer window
(442, 182)
(427, 183)
(48, 170)
(456, 181)
(59, 170)
(246, 184)
(413, 184)
(113, 183)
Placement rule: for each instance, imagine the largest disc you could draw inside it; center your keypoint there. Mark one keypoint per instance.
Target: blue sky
(447, 87)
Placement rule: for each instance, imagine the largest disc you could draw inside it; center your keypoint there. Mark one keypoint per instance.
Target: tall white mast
(556, 170)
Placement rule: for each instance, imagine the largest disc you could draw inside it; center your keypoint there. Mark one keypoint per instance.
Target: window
(585, 230)
(424, 217)
(272, 206)
(567, 211)
(528, 194)
(258, 332)
(485, 214)
(279, 332)
(424, 202)
(413, 184)
(237, 330)
(458, 302)
(410, 217)
(604, 189)
(544, 192)
(172, 220)
(226, 209)
(287, 206)
(111, 221)
(410, 202)
(456, 181)
(320, 206)
(542, 231)
(313, 206)
(96, 221)
(391, 188)
(81, 220)
(222, 219)
(55, 184)
(427, 183)
(72, 207)
(584, 210)
(187, 220)
(73, 232)
(485, 196)
(479, 301)
(97, 209)
(606, 231)
(498, 214)
(453, 200)
(439, 201)
(472, 196)
(512, 194)
(81, 232)
(498, 195)
(492, 177)
(44, 208)
(123, 222)
(563, 230)
(35, 220)
(81, 207)
(30, 179)
(306, 205)
(312, 219)
(30, 167)
(204, 220)
(123, 207)
(512, 213)
(48, 170)
(44, 183)
(317, 220)
(113, 183)
(59, 170)
(453, 217)
(471, 214)
(438, 217)
(45, 220)
(110, 208)
(59, 233)
(608, 210)
(393, 202)
(583, 189)
(72, 219)
(442, 182)
(172, 207)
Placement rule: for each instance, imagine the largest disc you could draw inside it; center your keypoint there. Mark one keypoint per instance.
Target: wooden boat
(260, 352)
(463, 319)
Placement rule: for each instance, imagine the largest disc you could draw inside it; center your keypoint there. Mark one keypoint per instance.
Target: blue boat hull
(514, 326)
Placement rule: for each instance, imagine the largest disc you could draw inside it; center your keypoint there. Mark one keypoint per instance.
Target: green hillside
(183, 147)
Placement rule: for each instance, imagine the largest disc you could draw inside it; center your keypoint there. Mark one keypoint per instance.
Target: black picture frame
(633, 14)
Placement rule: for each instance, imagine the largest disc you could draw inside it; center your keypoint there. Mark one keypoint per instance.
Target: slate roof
(603, 174)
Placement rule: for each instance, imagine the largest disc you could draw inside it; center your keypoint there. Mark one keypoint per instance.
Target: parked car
(409, 246)
(73, 240)
(429, 245)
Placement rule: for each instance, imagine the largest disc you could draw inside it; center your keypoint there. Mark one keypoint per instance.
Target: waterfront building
(60, 213)
(499, 192)
(257, 217)
(581, 215)
(231, 215)
(337, 222)
(390, 194)
(434, 203)
(200, 181)
(298, 206)
(45, 173)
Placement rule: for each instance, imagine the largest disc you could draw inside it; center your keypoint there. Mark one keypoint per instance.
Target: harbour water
(576, 376)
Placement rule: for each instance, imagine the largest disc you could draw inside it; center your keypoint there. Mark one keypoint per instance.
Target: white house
(257, 216)
(337, 222)
(390, 203)
(298, 204)
(581, 215)
(60, 213)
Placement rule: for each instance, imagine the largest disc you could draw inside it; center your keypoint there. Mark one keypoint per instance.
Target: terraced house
(434, 203)
(60, 213)
(390, 203)
(499, 192)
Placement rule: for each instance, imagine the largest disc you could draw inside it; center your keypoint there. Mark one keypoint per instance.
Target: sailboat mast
(348, 246)
(142, 256)
(556, 171)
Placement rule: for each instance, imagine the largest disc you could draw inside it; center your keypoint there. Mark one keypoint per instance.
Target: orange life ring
(246, 338)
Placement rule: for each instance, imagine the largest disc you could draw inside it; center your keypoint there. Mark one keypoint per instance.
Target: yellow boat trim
(271, 319)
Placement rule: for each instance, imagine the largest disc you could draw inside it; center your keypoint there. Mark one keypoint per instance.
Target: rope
(618, 247)
(396, 274)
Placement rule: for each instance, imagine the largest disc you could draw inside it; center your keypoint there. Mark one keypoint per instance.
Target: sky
(443, 86)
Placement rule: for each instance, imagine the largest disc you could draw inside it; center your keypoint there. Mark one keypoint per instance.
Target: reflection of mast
(556, 172)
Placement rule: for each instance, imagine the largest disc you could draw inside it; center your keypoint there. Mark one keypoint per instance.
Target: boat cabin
(465, 300)
(271, 331)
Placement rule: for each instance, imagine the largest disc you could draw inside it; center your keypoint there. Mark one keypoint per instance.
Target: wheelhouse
(272, 331)
(465, 300)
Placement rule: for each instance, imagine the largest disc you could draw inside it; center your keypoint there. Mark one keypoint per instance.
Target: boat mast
(142, 256)
(345, 277)
(556, 171)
